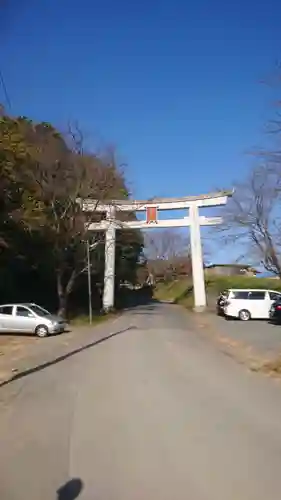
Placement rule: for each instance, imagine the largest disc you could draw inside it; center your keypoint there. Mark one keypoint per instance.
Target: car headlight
(52, 323)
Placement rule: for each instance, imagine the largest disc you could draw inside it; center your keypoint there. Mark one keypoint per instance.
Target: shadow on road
(126, 298)
(145, 307)
(63, 357)
(70, 490)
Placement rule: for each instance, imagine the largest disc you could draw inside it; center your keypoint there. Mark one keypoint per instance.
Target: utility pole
(89, 283)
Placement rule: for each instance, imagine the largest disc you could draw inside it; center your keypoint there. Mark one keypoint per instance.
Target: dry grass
(83, 320)
(271, 367)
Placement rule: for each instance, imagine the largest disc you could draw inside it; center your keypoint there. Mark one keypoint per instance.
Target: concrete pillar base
(108, 310)
(199, 309)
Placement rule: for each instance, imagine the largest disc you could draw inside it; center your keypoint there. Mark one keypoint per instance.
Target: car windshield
(38, 310)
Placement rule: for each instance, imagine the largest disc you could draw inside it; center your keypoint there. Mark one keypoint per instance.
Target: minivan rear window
(240, 295)
(256, 295)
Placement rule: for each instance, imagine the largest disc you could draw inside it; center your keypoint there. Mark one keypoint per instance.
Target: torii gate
(151, 207)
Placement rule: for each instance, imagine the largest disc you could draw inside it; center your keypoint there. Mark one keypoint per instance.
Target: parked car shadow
(273, 323)
(70, 490)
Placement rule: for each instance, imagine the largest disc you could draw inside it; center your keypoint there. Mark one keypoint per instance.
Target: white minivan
(249, 303)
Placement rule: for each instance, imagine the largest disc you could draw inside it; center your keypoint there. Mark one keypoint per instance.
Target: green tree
(43, 175)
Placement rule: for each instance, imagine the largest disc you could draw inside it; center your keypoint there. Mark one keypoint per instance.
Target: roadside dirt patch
(18, 350)
(19, 353)
(13, 348)
(15, 345)
(272, 367)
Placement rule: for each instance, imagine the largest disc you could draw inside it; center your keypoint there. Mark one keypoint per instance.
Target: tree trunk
(61, 295)
(64, 291)
(62, 306)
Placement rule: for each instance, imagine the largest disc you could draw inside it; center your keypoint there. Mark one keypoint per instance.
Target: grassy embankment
(181, 291)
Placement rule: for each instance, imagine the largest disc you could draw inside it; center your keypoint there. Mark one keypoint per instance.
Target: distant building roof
(235, 265)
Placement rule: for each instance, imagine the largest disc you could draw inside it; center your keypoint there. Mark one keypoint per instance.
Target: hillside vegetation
(181, 291)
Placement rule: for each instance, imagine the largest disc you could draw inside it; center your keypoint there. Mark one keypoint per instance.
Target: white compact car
(247, 304)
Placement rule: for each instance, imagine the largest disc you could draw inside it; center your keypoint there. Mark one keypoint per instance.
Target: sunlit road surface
(155, 412)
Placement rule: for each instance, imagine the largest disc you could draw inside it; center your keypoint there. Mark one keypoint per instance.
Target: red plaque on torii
(151, 215)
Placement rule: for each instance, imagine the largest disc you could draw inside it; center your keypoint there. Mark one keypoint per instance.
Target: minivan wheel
(244, 315)
(41, 331)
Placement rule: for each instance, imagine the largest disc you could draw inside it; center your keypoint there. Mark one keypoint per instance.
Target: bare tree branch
(168, 253)
(252, 218)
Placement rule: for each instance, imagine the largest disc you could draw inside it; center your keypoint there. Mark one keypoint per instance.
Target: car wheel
(244, 315)
(41, 331)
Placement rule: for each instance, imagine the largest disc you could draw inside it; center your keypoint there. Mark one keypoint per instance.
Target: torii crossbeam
(152, 207)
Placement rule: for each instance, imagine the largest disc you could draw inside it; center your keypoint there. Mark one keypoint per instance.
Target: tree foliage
(42, 227)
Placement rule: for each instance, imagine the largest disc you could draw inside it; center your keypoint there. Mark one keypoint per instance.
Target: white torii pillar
(198, 277)
(109, 261)
(194, 220)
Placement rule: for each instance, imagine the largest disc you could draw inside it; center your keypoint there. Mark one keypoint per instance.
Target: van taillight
(278, 308)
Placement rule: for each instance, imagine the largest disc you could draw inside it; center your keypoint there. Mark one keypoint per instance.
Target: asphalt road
(154, 412)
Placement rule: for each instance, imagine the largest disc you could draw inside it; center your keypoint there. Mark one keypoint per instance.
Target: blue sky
(174, 85)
